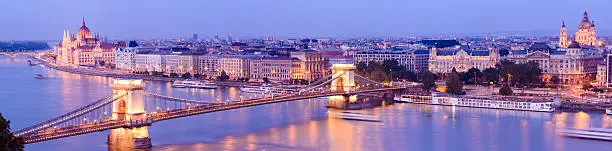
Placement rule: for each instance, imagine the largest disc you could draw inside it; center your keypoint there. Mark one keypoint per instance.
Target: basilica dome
(586, 24)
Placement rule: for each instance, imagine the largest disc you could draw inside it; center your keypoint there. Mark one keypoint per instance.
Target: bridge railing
(70, 115)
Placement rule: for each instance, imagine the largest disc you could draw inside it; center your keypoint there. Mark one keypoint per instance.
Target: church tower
(563, 36)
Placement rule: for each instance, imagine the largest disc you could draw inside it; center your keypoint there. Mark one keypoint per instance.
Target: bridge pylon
(344, 77)
(129, 109)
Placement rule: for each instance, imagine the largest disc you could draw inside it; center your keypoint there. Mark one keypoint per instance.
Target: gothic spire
(83, 20)
(563, 24)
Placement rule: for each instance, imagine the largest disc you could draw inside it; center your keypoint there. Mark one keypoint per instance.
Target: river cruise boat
(481, 102)
(193, 84)
(266, 89)
(590, 133)
(352, 116)
(255, 89)
(609, 111)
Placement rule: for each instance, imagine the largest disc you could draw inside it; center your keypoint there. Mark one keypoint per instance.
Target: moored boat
(609, 111)
(255, 89)
(480, 102)
(193, 84)
(178, 84)
(206, 85)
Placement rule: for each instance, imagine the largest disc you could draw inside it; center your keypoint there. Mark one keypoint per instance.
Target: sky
(154, 19)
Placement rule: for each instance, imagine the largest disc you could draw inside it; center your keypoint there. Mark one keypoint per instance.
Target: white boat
(591, 133)
(205, 85)
(178, 84)
(609, 111)
(481, 102)
(352, 116)
(255, 89)
(193, 84)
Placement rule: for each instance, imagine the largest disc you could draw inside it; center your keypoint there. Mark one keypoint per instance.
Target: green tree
(186, 75)
(555, 80)
(428, 79)
(197, 76)
(174, 75)
(472, 76)
(7, 140)
(379, 76)
(490, 75)
(505, 90)
(528, 73)
(223, 76)
(266, 80)
(453, 85)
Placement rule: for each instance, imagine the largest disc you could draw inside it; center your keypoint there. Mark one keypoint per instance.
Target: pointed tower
(563, 36)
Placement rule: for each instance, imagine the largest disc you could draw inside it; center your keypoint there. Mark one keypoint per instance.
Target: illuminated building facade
(573, 65)
(586, 34)
(84, 49)
(462, 58)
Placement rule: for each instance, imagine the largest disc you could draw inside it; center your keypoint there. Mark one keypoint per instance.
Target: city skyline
(160, 19)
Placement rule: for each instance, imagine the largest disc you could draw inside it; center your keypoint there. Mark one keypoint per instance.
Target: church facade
(586, 34)
(84, 49)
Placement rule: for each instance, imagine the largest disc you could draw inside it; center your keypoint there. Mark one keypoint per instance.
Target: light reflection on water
(301, 125)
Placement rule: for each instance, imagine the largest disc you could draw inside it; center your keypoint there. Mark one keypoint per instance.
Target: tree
(555, 80)
(504, 52)
(174, 75)
(223, 76)
(428, 79)
(186, 75)
(266, 80)
(586, 86)
(378, 76)
(472, 76)
(453, 85)
(197, 76)
(7, 140)
(505, 90)
(490, 75)
(528, 73)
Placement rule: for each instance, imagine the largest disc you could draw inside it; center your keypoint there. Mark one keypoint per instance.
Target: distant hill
(23, 45)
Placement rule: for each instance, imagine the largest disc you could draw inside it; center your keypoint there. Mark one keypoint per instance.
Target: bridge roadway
(177, 113)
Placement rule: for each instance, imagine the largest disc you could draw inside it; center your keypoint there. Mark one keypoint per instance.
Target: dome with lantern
(84, 32)
(586, 24)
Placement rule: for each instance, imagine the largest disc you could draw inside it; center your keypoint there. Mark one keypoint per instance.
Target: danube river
(300, 125)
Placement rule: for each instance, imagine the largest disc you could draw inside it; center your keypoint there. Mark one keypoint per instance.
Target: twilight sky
(147, 19)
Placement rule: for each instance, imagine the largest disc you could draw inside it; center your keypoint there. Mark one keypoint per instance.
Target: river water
(299, 125)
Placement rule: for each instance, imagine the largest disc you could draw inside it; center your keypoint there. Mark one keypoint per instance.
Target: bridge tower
(344, 77)
(129, 109)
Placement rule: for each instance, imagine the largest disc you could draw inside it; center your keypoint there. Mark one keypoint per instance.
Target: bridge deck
(177, 113)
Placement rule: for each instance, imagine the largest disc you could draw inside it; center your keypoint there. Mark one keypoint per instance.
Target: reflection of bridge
(129, 111)
(14, 54)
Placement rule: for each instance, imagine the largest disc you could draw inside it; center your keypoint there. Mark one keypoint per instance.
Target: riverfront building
(147, 61)
(207, 65)
(573, 65)
(276, 69)
(462, 58)
(84, 49)
(415, 60)
(312, 65)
